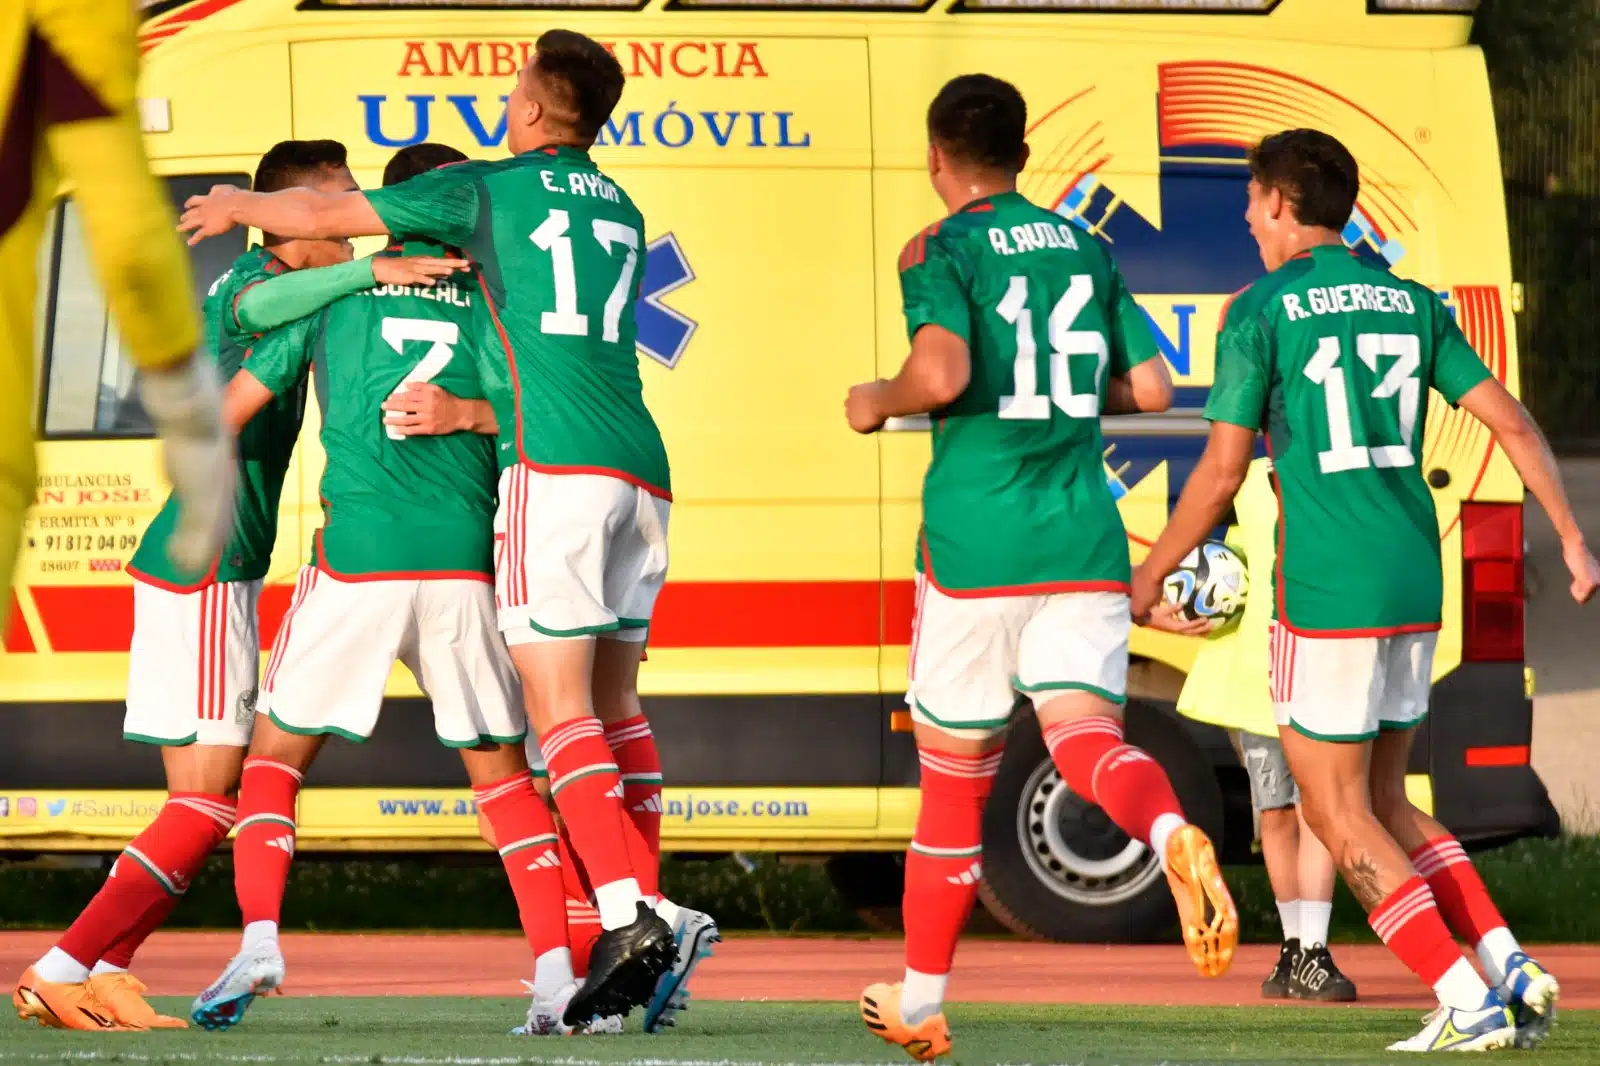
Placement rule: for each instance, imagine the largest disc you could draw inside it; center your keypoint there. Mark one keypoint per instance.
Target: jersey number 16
(1025, 401)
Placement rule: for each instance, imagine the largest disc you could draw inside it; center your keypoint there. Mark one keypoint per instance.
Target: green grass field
(467, 1032)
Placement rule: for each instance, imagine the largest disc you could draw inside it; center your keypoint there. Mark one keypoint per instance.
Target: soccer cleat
(1197, 885)
(695, 933)
(122, 994)
(1315, 977)
(545, 1017)
(1276, 986)
(1532, 992)
(63, 1006)
(624, 966)
(925, 1041)
(1488, 1027)
(250, 974)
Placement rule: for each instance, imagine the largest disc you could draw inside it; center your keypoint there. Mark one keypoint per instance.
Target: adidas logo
(651, 805)
(179, 881)
(545, 860)
(970, 876)
(284, 843)
(615, 790)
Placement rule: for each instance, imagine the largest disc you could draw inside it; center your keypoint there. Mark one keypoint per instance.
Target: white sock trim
(102, 967)
(552, 972)
(922, 995)
(1461, 987)
(1161, 831)
(59, 968)
(1289, 918)
(618, 903)
(1495, 950)
(1314, 918)
(259, 937)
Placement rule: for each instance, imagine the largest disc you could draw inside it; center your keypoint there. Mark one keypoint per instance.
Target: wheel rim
(1074, 849)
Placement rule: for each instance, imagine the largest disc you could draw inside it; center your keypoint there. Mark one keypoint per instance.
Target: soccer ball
(1210, 584)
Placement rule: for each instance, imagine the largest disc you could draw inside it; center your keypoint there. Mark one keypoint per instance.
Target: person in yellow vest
(1228, 686)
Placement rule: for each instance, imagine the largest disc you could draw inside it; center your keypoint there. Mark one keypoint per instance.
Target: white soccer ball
(1210, 584)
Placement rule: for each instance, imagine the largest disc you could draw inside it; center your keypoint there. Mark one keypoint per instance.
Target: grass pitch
(470, 1032)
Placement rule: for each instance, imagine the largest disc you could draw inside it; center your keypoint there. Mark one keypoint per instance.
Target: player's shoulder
(254, 266)
(1256, 300)
(943, 238)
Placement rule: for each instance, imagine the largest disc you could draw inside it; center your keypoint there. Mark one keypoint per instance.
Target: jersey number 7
(565, 320)
(1400, 382)
(1025, 402)
(442, 336)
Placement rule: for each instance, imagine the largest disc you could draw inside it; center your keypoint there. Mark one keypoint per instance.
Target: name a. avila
(672, 127)
(639, 59)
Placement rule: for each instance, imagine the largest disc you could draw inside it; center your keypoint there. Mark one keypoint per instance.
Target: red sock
(1409, 923)
(150, 875)
(1124, 780)
(264, 846)
(583, 921)
(588, 792)
(634, 747)
(945, 860)
(1457, 889)
(526, 835)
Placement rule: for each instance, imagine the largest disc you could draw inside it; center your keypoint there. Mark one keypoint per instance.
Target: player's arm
(1139, 381)
(426, 410)
(1236, 408)
(283, 299)
(939, 324)
(244, 396)
(1461, 377)
(277, 363)
(441, 205)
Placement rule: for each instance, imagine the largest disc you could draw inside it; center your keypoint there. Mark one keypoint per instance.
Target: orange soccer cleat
(60, 1006)
(122, 995)
(1197, 885)
(925, 1041)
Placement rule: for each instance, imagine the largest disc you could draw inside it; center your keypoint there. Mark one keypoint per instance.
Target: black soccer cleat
(1315, 977)
(1276, 986)
(624, 966)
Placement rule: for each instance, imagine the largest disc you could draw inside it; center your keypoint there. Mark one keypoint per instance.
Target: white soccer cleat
(695, 933)
(250, 974)
(1451, 1029)
(544, 1017)
(1533, 993)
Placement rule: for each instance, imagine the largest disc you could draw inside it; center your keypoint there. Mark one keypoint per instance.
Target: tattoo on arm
(1361, 874)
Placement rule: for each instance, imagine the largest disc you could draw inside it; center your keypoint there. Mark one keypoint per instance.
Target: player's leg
(1327, 694)
(1279, 830)
(960, 690)
(326, 675)
(1463, 899)
(1316, 976)
(191, 689)
(1073, 662)
(559, 536)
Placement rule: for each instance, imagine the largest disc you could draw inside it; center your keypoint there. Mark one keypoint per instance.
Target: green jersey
(559, 248)
(393, 507)
(1015, 501)
(1332, 357)
(265, 445)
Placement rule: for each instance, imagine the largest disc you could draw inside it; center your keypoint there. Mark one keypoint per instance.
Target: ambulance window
(89, 380)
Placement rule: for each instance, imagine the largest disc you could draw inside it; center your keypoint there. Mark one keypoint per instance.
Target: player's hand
(861, 408)
(425, 410)
(414, 269)
(1581, 564)
(185, 403)
(1166, 618)
(1145, 594)
(210, 214)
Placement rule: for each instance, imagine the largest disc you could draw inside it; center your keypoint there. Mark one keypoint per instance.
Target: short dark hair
(980, 120)
(1314, 172)
(291, 163)
(581, 78)
(416, 159)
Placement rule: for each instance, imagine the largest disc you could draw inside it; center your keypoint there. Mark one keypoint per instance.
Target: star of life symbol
(664, 333)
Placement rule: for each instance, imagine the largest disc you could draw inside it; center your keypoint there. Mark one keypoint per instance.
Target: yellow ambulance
(776, 148)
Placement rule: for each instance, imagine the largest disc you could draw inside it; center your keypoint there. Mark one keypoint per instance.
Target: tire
(1056, 868)
(871, 883)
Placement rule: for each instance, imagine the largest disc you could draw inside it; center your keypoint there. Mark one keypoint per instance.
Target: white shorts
(577, 555)
(970, 657)
(1351, 688)
(193, 665)
(340, 639)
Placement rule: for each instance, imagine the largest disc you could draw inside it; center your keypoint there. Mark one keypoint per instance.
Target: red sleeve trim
(1222, 319)
(915, 252)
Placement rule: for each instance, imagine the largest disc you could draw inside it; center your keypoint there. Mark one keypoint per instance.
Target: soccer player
(195, 651)
(1228, 686)
(402, 568)
(67, 72)
(1022, 334)
(584, 485)
(1332, 357)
